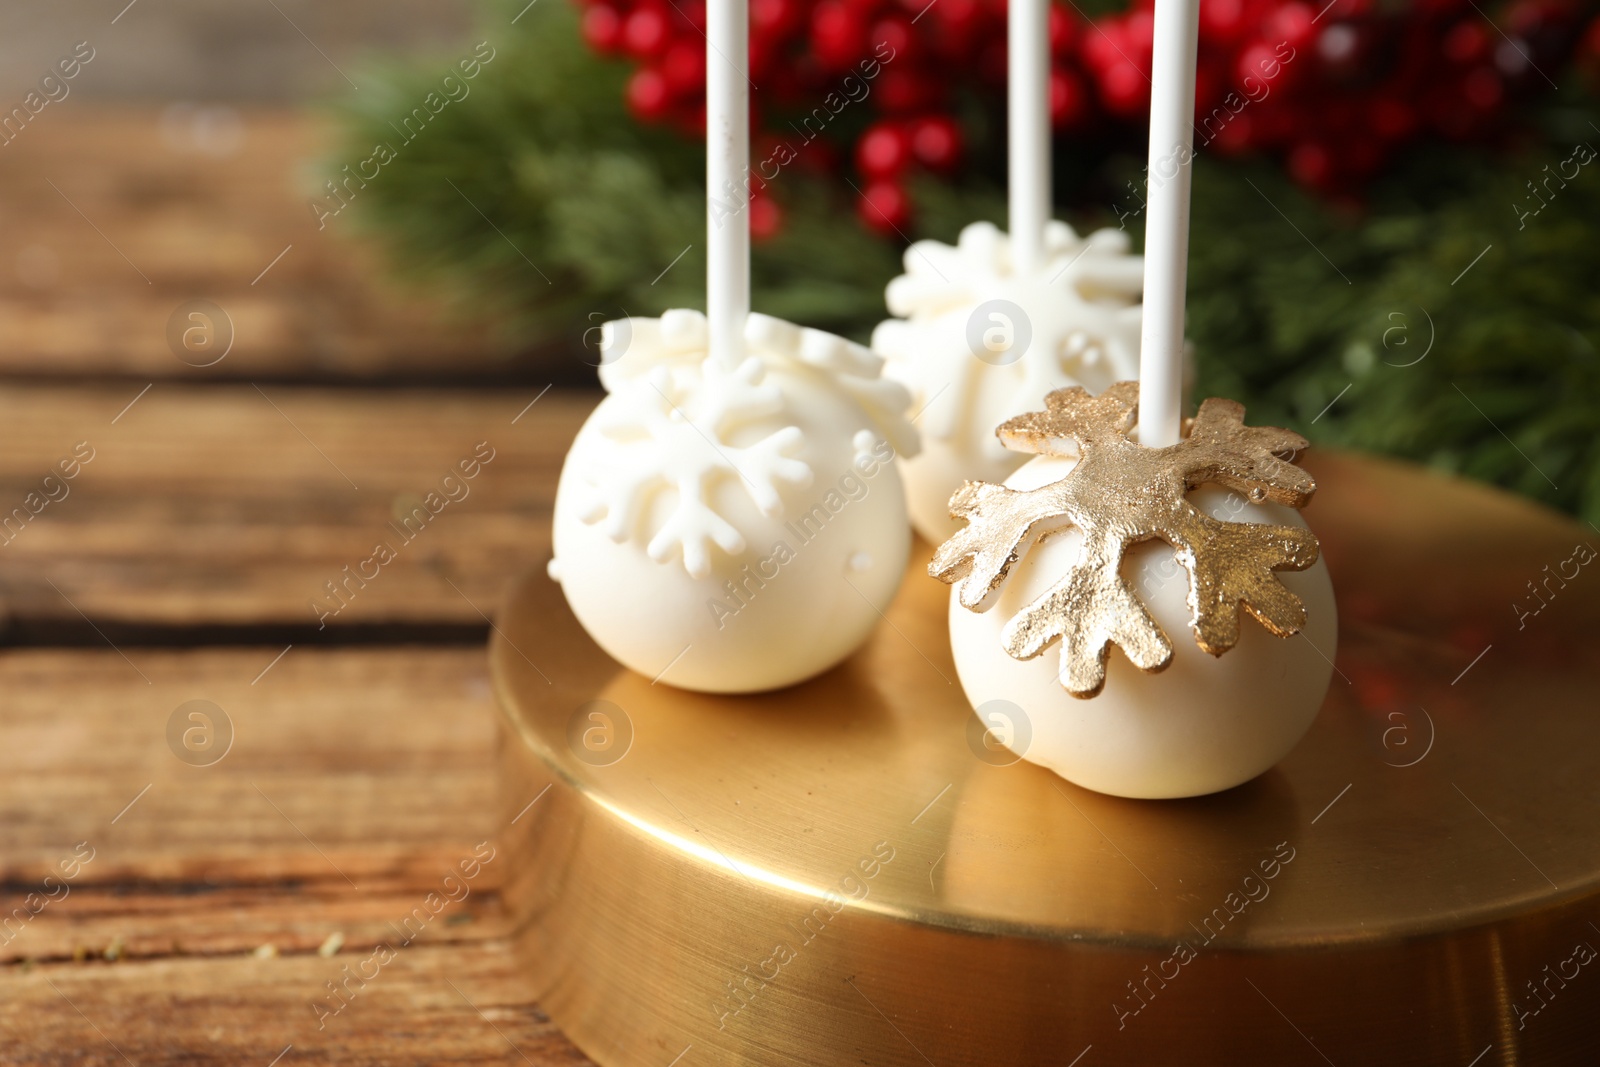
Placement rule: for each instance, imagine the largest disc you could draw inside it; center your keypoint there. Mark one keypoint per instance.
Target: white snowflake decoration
(680, 422)
(1081, 309)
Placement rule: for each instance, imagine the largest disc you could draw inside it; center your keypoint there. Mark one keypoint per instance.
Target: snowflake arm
(1000, 524)
(1072, 420)
(692, 528)
(1089, 609)
(1220, 448)
(767, 463)
(1234, 565)
(616, 499)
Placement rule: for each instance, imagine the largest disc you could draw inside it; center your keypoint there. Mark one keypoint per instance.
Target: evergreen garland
(1311, 313)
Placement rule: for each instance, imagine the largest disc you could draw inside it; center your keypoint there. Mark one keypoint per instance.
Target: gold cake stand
(844, 873)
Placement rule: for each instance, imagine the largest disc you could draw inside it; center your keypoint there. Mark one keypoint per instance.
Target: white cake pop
(976, 343)
(734, 530)
(1132, 546)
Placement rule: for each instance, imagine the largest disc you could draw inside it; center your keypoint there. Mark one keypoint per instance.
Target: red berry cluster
(882, 75)
(1333, 89)
(1336, 88)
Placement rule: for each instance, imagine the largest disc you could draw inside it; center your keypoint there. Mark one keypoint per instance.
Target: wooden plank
(372, 765)
(127, 220)
(288, 916)
(431, 1005)
(357, 782)
(236, 505)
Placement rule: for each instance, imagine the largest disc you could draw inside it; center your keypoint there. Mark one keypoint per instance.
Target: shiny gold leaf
(1119, 494)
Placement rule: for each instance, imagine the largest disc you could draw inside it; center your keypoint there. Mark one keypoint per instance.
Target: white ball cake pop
(1127, 546)
(734, 529)
(976, 344)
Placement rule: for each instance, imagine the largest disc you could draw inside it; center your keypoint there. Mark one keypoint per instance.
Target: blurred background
(191, 50)
(1376, 181)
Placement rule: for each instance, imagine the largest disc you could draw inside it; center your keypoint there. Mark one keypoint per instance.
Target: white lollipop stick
(1028, 111)
(1166, 242)
(727, 195)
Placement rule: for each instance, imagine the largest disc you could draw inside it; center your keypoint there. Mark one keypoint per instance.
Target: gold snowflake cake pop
(1100, 541)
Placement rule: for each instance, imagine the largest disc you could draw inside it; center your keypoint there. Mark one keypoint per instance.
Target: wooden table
(182, 563)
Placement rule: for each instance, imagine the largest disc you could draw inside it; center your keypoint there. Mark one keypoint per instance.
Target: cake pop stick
(727, 161)
(1166, 242)
(1028, 108)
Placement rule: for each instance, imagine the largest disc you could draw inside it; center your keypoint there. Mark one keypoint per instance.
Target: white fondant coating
(1082, 321)
(1202, 725)
(734, 531)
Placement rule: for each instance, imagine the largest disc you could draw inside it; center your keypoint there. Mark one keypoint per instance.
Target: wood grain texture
(129, 215)
(235, 505)
(434, 1005)
(207, 509)
(356, 784)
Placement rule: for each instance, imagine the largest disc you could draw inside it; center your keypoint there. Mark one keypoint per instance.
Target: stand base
(832, 875)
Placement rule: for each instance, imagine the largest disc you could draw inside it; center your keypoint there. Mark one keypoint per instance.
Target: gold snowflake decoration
(1121, 493)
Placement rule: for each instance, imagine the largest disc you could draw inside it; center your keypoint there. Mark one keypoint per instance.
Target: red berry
(648, 96)
(893, 37)
(1139, 33)
(1258, 64)
(1103, 46)
(645, 32)
(1124, 89)
(884, 207)
(1069, 101)
(1529, 18)
(1311, 165)
(1483, 88)
(1466, 42)
(770, 18)
(1221, 20)
(902, 89)
(936, 142)
(602, 27)
(684, 66)
(838, 35)
(956, 19)
(1393, 120)
(883, 151)
(766, 218)
(1293, 23)
(1063, 30)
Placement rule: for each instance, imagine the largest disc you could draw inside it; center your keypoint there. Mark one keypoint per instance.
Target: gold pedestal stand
(839, 873)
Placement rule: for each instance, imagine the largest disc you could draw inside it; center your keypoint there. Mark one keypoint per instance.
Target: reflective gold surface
(882, 895)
